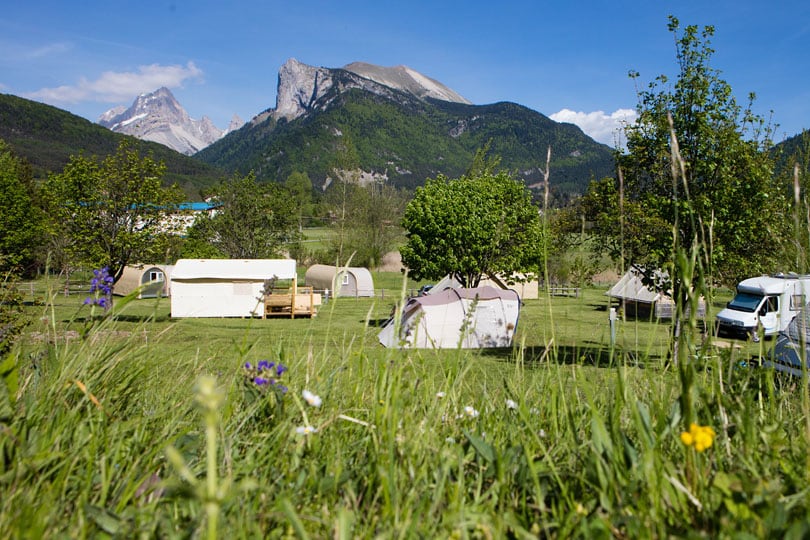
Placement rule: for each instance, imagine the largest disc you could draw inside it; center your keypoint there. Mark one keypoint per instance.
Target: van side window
(772, 304)
(797, 302)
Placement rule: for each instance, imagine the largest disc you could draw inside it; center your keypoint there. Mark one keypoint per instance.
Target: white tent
(224, 287)
(467, 318)
(151, 279)
(526, 290)
(342, 281)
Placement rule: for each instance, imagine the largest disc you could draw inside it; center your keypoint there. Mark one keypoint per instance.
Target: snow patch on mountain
(158, 117)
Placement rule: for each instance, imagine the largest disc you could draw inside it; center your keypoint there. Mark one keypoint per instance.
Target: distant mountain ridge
(158, 117)
(398, 126)
(46, 137)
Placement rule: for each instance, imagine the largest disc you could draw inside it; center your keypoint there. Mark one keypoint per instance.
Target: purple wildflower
(101, 287)
(261, 381)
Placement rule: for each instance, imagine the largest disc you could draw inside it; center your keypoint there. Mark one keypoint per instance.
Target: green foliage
(365, 223)
(715, 189)
(47, 137)
(251, 221)
(111, 214)
(21, 219)
(472, 226)
(793, 169)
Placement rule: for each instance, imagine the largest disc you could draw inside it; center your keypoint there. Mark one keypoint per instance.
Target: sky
(567, 60)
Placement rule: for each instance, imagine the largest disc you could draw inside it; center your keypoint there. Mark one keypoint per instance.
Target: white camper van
(769, 302)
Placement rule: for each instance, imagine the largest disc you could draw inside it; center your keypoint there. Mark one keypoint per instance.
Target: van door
(769, 315)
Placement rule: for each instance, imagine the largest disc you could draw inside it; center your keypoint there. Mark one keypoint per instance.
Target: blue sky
(567, 60)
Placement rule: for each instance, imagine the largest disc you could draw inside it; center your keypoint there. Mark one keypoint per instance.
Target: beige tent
(152, 280)
(639, 300)
(342, 281)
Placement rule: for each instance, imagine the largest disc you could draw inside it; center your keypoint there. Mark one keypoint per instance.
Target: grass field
(138, 425)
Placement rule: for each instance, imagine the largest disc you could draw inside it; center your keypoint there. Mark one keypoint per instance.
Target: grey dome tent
(342, 281)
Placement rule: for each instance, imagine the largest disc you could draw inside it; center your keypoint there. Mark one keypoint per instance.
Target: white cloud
(602, 127)
(115, 87)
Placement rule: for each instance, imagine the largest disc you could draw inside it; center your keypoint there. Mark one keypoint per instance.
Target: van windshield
(745, 302)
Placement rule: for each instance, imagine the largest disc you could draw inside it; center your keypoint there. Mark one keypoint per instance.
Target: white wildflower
(311, 398)
(470, 412)
(305, 430)
(511, 404)
(440, 395)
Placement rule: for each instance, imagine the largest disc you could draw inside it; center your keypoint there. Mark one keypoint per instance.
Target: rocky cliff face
(406, 79)
(303, 88)
(160, 118)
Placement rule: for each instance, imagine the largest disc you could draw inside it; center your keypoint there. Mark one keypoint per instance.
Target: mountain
(158, 117)
(401, 127)
(46, 137)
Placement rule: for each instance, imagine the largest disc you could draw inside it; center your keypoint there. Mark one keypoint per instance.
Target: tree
(300, 188)
(367, 225)
(695, 178)
(112, 213)
(482, 223)
(252, 220)
(21, 219)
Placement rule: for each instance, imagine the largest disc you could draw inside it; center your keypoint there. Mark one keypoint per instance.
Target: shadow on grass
(596, 355)
(121, 318)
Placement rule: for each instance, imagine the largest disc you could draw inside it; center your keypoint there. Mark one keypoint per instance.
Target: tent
(225, 287)
(343, 281)
(640, 300)
(525, 290)
(152, 280)
(467, 318)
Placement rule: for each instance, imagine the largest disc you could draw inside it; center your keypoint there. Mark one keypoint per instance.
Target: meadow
(133, 424)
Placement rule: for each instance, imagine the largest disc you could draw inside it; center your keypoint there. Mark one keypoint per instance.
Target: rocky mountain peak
(406, 79)
(158, 117)
(302, 87)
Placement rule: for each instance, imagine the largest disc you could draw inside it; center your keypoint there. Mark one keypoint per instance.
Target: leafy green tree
(21, 218)
(474, 225)
(300, 188)
(367, 222)
(112, 213)
(252, 220)
(695, 178)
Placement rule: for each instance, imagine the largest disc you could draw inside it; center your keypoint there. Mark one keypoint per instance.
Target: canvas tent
(468, 318)
(525, 290)
(152, 280)
(639, 300)
(225, 287)
(342, 281)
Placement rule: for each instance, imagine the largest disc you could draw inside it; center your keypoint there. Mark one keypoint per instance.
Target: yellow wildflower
(701, 437)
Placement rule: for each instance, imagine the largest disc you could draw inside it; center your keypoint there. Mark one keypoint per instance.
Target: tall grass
(140, 426)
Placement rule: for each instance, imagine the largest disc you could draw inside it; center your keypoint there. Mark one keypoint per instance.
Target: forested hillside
(409, 140)
(47, 136)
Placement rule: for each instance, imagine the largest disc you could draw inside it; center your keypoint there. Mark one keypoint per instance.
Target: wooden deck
(292, 303)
